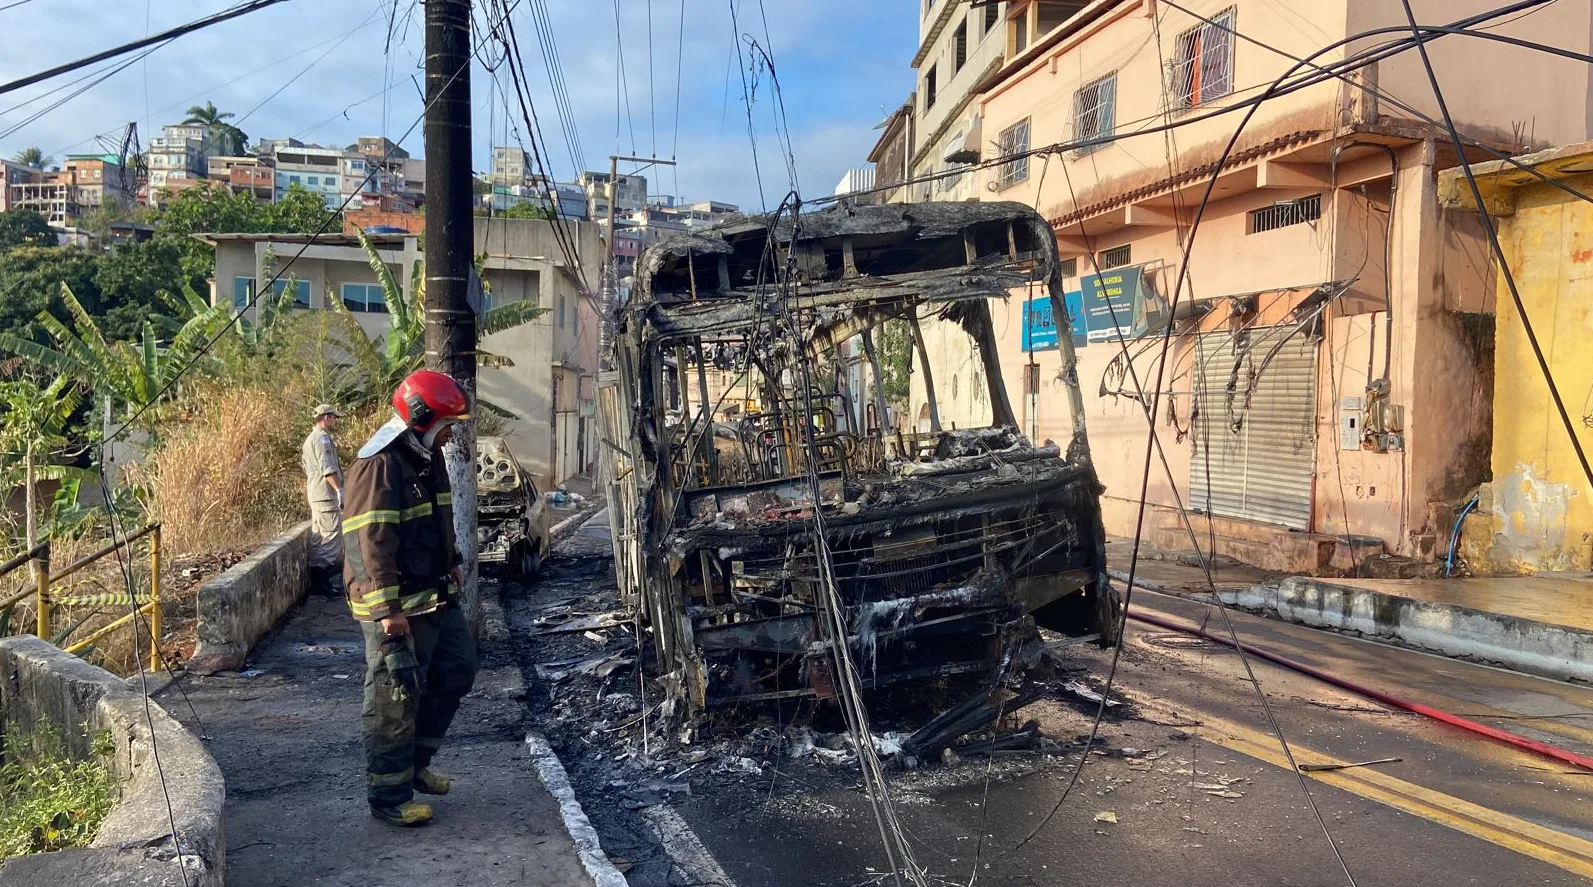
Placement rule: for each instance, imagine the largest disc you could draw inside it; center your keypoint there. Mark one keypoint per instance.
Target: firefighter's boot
(408, 814)
(429, 783)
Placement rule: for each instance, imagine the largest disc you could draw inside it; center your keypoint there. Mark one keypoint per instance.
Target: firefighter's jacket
(398, 529)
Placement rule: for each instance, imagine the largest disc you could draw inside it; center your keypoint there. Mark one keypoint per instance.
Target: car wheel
(531, 565)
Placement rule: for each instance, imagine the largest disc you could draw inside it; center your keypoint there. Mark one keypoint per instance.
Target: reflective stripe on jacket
(398, 531)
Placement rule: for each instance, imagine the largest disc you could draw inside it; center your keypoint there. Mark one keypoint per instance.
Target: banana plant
(136, 375)
(402, 349)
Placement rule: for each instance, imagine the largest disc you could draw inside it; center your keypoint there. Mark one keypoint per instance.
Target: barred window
(1095, 112)
(1070, 267)
(1014, 140)
(1286, 213)
(1203, 61)
(1116, 257)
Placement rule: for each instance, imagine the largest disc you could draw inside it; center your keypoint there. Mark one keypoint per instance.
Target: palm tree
(228, 139)
(33, 157)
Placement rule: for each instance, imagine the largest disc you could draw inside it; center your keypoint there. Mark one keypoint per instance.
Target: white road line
(696, 864)
(587, 846)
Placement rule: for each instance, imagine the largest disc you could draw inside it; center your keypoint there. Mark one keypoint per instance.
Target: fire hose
(1532, 745)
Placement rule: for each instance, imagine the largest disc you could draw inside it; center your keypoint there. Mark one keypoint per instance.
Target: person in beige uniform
(323, 487)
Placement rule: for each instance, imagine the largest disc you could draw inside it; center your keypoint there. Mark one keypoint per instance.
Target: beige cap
(327, 409)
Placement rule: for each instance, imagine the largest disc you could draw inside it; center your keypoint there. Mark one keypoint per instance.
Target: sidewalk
(287, 740)
(1538, 625)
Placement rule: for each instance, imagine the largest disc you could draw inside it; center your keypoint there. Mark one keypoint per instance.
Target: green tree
(228, 138)
(24, 227)
(211, 209)
(134, 376)
(31, 278)
(33, 157)
(131, 279)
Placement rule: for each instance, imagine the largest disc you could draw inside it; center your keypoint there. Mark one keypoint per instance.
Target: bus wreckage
(950, 547)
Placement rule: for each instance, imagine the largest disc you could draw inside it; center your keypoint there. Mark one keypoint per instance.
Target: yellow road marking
(1513, 833)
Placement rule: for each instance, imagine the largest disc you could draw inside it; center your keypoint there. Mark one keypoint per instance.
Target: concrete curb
(557, 782)
(1552, 651)
(137, 844)
(240, 606)
(563, 527)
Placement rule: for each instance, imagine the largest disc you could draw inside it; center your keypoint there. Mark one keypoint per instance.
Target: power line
(306, 69)
(14, 5)
(316, 235)
(1492, 231)
(1360, 60)
(162, 37)
(1153, 438)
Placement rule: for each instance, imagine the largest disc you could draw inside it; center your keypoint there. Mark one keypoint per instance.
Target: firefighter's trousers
(402, 737)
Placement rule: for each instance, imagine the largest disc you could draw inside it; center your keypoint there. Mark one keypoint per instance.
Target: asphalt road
(1203, 794)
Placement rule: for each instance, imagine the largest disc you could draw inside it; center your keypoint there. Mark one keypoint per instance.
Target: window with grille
(1116, 257)
(1289, 212)
(961, 48)
(1070, 267)
(930, 88)
(1013, 140)
(992, 16)
(1094, 112)
(1203, 61)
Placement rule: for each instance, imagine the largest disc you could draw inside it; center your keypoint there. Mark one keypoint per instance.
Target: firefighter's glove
(399, 654)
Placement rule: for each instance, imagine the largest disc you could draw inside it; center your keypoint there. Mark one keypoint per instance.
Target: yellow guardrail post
(154, 600)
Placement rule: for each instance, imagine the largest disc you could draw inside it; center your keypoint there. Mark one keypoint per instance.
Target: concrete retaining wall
(1534, 647)
(135, 846)
(238, 607)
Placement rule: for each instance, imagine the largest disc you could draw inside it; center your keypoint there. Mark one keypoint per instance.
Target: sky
(842, 66)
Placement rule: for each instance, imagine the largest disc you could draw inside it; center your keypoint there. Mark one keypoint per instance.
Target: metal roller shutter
(1264, 470)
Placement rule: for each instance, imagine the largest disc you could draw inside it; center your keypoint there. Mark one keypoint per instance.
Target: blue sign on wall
(1040, 331)
(1110, 299)
(1039, 325)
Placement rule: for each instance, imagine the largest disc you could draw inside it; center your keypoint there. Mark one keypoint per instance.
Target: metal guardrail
(45, 599)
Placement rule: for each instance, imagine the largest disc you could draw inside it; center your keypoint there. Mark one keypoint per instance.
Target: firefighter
(402, 569)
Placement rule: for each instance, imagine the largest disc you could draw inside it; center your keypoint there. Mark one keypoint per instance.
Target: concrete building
(314, 168)
(627, 194)
(959, 46)
(1535, 514)
(255, 176)
(551, 386)
(893, 153)
(100, 179)
(1325, 395)
(85, 183)
(179, 158)
(511, 167)
(13, 173)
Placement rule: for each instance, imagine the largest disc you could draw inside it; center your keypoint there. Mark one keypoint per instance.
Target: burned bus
(750, 461)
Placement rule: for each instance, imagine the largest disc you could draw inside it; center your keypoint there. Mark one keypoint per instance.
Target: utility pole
(610, 277)
(450, 245)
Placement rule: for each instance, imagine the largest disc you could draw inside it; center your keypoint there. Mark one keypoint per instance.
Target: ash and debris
(602, 716)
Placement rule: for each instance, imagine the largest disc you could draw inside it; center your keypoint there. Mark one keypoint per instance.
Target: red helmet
(425, 400)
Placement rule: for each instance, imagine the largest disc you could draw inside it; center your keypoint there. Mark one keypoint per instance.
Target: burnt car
(743, 536)
(512, 531)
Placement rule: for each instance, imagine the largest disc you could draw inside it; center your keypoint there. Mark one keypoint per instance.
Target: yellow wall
(1537, 515)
